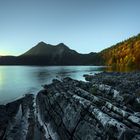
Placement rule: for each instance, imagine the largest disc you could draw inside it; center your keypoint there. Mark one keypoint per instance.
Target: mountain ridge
(43, 48)
(123, 54)
(47, 54)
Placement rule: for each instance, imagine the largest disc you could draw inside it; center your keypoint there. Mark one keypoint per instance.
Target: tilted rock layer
(107, 107)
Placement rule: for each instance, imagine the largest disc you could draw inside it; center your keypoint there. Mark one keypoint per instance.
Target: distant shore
(107, 106)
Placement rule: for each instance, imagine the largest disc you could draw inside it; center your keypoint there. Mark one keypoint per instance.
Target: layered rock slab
(76, 113)
(75, 110)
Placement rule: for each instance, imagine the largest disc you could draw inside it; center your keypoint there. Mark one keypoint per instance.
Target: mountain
(8, 60)
(46, 54)
(123, 54)
(43, 49)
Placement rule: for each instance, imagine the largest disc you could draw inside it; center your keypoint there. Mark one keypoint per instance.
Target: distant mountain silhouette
(123, 54)
(43, 49)
(46, 54)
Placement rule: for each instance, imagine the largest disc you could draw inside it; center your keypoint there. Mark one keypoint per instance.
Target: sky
(83, 25)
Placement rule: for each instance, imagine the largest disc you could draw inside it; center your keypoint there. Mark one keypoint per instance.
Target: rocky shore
(106, 107)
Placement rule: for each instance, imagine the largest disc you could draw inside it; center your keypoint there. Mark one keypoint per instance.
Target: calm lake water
(16, 81)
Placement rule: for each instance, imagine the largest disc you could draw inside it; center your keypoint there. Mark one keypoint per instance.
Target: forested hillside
(123, 54)
(126, 53)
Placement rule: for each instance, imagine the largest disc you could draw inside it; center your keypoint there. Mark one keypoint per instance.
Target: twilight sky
(83, 25)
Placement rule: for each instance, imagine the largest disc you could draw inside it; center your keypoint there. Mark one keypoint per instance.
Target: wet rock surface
(17, 118)
(106, 107)
(123, 88)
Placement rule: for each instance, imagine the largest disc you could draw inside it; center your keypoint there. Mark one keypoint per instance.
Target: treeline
(123, 54)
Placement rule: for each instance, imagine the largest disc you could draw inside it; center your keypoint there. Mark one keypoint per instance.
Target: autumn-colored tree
(126, 53)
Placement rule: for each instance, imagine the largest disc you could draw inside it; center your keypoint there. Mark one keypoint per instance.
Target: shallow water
(16, 81)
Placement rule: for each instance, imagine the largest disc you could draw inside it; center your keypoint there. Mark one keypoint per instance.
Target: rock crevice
(75, 110)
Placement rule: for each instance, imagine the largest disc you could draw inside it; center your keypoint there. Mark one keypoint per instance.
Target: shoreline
(108, 103)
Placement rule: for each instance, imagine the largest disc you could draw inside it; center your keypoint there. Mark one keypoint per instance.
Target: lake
(16, 81)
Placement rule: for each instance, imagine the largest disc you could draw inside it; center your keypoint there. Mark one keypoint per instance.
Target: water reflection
(1, 78)
(40, 74)
(121, 69)
(15, 81)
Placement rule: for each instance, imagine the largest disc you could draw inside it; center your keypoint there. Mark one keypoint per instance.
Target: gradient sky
(83, 25)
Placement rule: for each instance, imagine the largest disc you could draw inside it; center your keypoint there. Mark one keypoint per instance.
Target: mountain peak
(44, 49)
(61, 44)
(41, 43)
